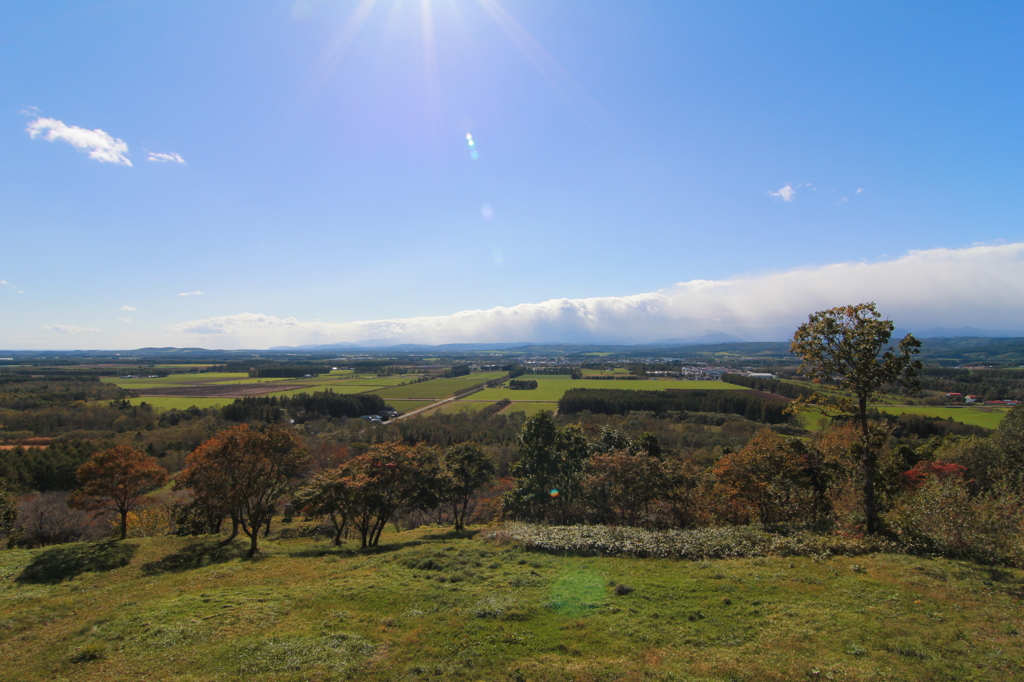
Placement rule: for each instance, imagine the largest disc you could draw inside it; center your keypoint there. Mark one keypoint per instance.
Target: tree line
(775, 386)
(623, 401)
(303, 407)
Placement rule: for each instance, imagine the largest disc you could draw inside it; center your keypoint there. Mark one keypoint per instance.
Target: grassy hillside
(431, 606)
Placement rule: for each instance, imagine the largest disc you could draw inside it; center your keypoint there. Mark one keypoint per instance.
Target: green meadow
(987, 417)
(162, 402)
(531, 408)
(552, 387)
(437, 388)
(434, 605)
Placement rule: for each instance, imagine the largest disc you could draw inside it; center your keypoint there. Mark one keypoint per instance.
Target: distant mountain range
(708, 337)
(961, 332)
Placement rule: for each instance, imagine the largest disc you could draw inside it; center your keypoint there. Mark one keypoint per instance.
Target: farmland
(551, 387)
(986, 417)
(179, 391)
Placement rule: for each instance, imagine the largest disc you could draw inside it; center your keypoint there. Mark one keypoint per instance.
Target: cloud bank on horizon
(977, 286)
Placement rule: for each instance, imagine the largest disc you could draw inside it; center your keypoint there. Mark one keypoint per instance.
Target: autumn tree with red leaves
(116, 479)
(244, 472)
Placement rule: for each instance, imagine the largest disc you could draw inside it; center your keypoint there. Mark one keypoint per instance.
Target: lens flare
(554, 492)
(472, 146)
(486, 212)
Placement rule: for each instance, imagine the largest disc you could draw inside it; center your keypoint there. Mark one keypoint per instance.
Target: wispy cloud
(164, 158)
(974, 286)
(99, 144)
(69, 329)
(126, 320)
(786, 193)
(191, 293)
(127, 309)
(859, 190)
(842, 200)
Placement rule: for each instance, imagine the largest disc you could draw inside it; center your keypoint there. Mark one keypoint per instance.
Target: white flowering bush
(700, 543)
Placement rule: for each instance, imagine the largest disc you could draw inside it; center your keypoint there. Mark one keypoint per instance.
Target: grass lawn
(429, 605)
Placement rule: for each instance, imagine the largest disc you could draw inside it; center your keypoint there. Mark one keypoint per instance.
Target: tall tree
(8, 515)
(116, 479)
(466, 469)
(846, 347)
(246, 471)
(329, 493)
(1010, 440)
(387, 478)
(549, 471)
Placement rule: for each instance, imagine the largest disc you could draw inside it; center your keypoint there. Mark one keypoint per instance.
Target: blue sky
(311, 170)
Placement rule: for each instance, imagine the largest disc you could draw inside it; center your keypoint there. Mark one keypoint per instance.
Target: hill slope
(431, 606)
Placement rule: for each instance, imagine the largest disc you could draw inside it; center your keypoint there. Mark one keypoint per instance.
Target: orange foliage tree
(772, 476)
(619, 487)
(244, 472)
(116, 479)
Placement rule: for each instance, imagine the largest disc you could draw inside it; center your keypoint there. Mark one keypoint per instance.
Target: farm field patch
(437, 388)
(180, 403)
(337, 388)
(530, 408)
(986, 417)
(552, 387)
(457, 406)
(404, 406)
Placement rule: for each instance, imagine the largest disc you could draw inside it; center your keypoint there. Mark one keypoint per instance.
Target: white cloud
(4, 281)
(127, 309)
(977, 286)
(164, 158)
(126, 320)
(242, 323)
(787, 193)
(859, 190)
(191, 293)
(69, 329)
(100, 145)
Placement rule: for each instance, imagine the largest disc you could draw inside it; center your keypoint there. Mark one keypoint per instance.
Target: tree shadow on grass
(1005, 581)
(65, 562)
(453, 535)
(352, 549)
(196, 555)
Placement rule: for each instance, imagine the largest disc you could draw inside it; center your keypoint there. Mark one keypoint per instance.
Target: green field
(437, 388)
(457, 406)
(531, 408)
(986, 417)
(429, 605)
(409, 405)
(551, 387)
(176, 403)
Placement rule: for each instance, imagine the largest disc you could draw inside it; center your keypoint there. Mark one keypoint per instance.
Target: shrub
(703, 543)
(943, 517)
